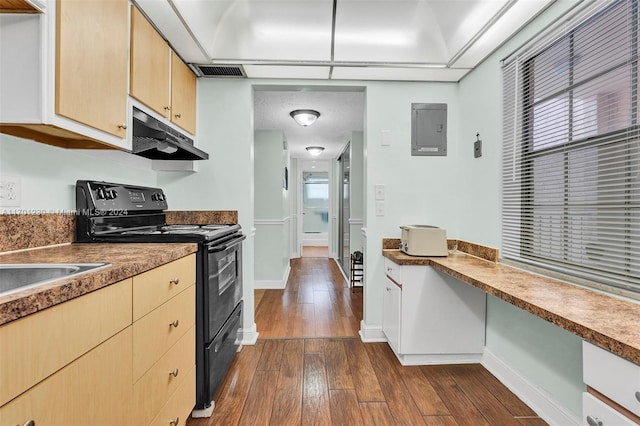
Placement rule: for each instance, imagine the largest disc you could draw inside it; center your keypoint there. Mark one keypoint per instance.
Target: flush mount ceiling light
(315, 150)
(305, 117)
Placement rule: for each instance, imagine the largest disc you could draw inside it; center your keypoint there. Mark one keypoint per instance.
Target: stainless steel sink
(20, 276)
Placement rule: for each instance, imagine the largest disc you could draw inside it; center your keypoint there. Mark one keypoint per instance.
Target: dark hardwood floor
(315, 303)
(309, 368)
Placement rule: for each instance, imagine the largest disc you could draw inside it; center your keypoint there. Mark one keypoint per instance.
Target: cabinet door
(91, 63)
(149, 65)
(391, 308)
(183, 95)
(95, 389)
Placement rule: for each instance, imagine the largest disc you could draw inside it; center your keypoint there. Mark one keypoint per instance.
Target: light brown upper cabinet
(91, 63)
(150, 57)
(183, 95)
(159, 78)
(65, 83)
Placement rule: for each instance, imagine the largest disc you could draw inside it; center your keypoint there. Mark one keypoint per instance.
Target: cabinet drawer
(179, 406)
(71, 328)
(393, 270)
(95, 389)
(612, 376)
(596, 413)
(152, 288)
(153, 390)
(154, 334)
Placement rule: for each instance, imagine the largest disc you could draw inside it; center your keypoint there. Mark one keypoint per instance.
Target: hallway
(315, 303)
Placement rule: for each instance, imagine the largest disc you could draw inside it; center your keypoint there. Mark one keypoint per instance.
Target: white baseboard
(538, 399)
(369, 334)
(439, 359)
(249, 336)
(273, 284)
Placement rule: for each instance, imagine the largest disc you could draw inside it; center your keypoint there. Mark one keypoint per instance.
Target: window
(571, 163)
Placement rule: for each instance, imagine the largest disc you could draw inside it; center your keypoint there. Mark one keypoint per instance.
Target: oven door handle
(227, 245)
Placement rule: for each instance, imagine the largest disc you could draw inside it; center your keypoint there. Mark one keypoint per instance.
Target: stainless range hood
(156, 140)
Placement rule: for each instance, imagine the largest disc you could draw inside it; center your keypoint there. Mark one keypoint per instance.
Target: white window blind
(571, 155)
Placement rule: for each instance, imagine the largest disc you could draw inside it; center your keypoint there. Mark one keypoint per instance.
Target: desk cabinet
(430, 317)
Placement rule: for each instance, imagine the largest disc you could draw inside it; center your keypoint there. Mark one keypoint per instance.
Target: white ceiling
(410, 40)
(340, 114)
(427, 40)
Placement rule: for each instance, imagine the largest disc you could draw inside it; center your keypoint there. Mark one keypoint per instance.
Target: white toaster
(423, 240)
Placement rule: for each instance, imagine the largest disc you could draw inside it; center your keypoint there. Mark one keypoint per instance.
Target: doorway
(314, 209)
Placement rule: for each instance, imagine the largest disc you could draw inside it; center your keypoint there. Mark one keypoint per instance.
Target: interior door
(344, 250)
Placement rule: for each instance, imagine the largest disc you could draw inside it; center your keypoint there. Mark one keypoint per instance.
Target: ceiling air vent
(221, 70)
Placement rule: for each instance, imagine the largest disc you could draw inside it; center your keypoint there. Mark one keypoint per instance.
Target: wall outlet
(379, 208)
(379, 190)
(10, 191)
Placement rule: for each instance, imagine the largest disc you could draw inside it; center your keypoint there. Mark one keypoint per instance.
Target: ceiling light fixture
(305, 117)
(315, 150)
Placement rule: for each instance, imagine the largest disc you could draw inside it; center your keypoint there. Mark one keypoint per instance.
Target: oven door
(223, 282)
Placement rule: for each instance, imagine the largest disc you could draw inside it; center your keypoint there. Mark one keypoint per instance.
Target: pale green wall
(270, 196)
(271, 204)
(48, 174)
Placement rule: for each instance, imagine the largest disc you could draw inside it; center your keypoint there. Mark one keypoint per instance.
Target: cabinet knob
(174, 373)
(29, 423)
(122, 126)
(389, 269)
(175, 324)
(167, 108)
(174, 422)
(388, 289)
(178, 115)
(594, 421)
(175, 280)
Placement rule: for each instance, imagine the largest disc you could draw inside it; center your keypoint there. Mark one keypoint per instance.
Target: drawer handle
(175, 324)
(175, 280)
(638, 396)
(29, 423)
(389, 269)
(594, 421)
(388, 289)
(174, 422)
(174, 373)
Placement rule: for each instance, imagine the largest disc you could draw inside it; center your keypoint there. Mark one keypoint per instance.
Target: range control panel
(105, 197)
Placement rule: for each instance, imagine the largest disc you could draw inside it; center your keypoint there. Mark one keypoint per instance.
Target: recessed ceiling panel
(388, 31)
(403, 74)
(503, 29)
(460, 20)
(286, 71)
(262, 30)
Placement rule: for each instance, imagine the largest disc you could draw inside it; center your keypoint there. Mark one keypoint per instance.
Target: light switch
(379, 190)
(385, 137)
(379, 208)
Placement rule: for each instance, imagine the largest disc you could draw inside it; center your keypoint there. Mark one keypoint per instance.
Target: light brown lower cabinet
(95, 389)
(87, 362)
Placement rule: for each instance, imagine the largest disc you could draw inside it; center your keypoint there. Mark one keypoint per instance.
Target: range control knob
(157, 196)
(114, 194)
(100, 194)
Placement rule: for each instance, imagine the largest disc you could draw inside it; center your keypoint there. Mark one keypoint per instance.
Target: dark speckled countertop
(126, 260)
(606, 321)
